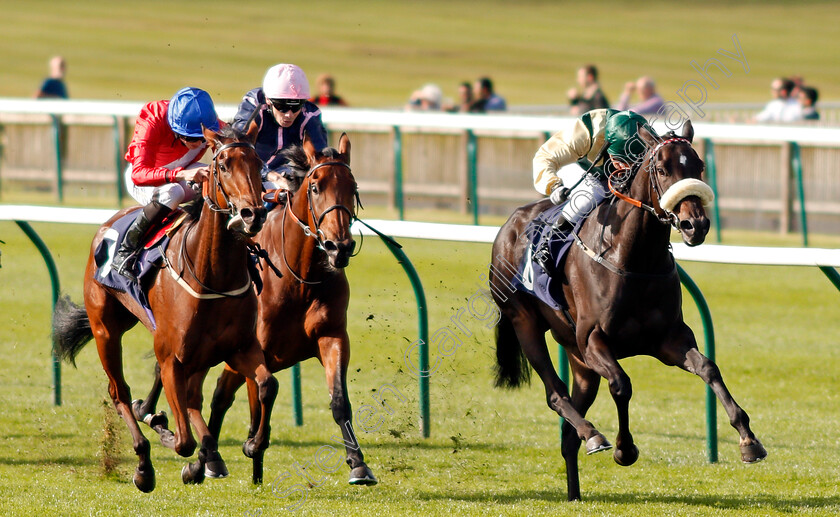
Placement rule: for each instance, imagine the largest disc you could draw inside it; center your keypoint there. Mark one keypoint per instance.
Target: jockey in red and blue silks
(163, 157)
(283, 112)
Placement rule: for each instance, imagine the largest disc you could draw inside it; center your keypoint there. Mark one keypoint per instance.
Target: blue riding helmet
(189, 109)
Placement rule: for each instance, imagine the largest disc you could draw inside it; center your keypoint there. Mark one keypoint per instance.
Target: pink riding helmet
(285, 81)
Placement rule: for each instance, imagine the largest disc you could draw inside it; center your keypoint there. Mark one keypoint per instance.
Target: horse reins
(217, 185)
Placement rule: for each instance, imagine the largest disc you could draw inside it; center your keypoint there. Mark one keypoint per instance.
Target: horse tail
(512, 368)
(71, 329)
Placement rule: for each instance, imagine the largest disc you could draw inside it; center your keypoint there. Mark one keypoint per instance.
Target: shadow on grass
(747, 502)
(286, 442)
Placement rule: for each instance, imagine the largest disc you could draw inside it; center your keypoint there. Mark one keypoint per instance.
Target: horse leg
(600, 358)
(251, 363)
(209, 446)
(175, 387)
(223, 396)
(584, 390)
(144, 411)
(110, 354)
(533, 345)
(335, 356)
(681, 350)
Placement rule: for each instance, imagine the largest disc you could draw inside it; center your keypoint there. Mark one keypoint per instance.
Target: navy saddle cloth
(147, 262)
(532, 278)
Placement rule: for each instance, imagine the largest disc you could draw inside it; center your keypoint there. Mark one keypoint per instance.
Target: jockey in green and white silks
(607, 137)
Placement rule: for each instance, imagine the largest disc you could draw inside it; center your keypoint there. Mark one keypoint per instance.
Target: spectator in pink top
(649, 101)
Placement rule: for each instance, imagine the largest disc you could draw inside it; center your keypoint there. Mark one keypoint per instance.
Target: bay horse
(624, 301)
(303, 314)
(201, 319)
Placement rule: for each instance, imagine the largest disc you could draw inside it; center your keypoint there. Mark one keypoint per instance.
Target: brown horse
(304, 313)
(202, 319)
(624, 301)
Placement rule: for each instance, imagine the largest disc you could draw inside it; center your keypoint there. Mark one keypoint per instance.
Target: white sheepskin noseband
(683, 189)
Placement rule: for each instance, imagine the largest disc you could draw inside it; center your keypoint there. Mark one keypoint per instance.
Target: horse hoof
(192, 473)
(215, 467)
(626, 457)
(250, 448)
(144, 481)
(753, 453)
(597, 443)
(158, 420)
(362, 475)
(137, 408)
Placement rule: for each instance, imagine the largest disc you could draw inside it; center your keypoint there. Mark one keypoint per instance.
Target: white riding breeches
(168, 194)
(585, 197)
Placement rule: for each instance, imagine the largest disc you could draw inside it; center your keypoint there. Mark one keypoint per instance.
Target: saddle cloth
(147, 259)
(532, 278)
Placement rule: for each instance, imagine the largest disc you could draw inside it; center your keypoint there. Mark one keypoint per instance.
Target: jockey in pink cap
(283, 112)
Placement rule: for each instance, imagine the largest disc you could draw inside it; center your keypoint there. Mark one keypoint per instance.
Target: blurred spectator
(807, 100)
(427, 98)
(326, 92)
(782, 108)
(465, 99)
(649, 100)
(589, 96)
(798, 83)
(53, 86)
(485, 98)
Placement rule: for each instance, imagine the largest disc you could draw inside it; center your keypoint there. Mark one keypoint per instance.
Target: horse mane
(296, 157)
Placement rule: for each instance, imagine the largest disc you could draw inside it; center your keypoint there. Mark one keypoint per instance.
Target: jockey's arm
(563, 148)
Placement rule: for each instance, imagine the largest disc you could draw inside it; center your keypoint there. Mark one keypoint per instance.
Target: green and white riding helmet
(622, 134)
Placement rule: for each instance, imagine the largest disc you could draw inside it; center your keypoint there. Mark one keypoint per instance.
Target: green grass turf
(491, 451)
(381, 51)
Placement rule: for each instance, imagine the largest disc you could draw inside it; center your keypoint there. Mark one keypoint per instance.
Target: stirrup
(126, 265)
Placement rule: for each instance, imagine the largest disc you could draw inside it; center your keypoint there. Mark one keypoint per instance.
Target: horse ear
(647, 137)
(211, 136)
(253, 131)
(309, 149)
(688, 131)
(344, 147)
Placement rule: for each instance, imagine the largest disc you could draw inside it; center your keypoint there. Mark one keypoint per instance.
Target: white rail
(767, 256)
(503, 123)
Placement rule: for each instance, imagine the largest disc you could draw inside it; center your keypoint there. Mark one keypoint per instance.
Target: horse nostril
(247, 214)
(686, 226)
(351, 248)
(330, 246)
(706, 225)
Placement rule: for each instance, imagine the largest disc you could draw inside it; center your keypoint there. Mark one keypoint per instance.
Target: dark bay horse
(304, 313)
(624, 298)
(205, 310)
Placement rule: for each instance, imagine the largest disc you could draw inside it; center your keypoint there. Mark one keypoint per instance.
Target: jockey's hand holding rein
(196, 175)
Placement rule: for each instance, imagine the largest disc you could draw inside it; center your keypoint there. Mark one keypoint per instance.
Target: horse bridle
(317, 233)
(217, 185)
(667, 216)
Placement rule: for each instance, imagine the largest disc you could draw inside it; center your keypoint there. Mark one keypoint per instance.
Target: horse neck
(214, 251)
(639, 239)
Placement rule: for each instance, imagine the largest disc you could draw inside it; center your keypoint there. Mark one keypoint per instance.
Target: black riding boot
(542, 256)
(150, 216)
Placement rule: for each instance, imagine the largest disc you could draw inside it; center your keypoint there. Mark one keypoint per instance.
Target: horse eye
(314, 188)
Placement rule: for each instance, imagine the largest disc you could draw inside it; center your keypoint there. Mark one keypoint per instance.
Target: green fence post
(422, 325)
(59, 173)
(563, 373)
(118, 160)
(796, 163)
(709, 335)
(472, 173)
(711, 171)
(48, 260)
(297, 398)
(398, 174)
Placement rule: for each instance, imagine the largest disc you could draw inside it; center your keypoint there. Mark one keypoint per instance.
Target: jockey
(163, 156)
(600, 139)
(283, 112)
